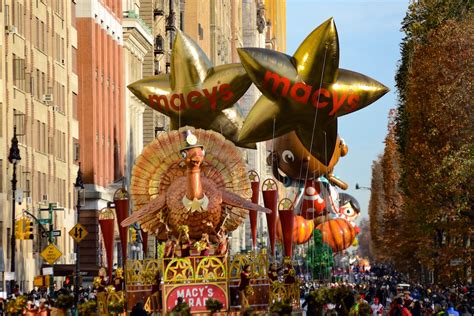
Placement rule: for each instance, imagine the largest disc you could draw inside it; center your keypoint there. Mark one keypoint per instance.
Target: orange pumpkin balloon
(302, 229)
(337, 233)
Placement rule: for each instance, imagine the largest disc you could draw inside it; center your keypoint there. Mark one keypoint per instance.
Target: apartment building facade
(101, 115)
(39, 80)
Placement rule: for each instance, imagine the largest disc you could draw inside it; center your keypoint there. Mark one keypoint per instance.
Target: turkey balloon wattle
(190, 177)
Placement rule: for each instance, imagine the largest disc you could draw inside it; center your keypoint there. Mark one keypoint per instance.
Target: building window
(200, 31)
(19, 122)
(74, 105)
(73, 13)
(74, 60)
(59, 7)
(18, 16)
(159, 44)
(42, 40)
(76, 150)
(60, 145)
(19, 72)
(43, 137)
(59, 97)
(37, 33)
(1, 175)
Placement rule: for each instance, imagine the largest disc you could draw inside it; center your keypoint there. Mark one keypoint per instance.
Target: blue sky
(369, 39)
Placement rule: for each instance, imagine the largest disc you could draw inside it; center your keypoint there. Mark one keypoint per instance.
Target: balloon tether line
(273, 140)
(317, 107)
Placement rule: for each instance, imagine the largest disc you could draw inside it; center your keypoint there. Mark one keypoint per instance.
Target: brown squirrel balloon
(292, 162)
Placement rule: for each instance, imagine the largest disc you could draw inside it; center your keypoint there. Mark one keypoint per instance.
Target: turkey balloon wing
(233, 199)
(154, 206)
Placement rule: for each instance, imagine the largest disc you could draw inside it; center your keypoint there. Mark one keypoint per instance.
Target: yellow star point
(305, 90)
(196, 93)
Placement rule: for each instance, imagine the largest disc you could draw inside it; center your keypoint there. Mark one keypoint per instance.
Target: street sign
(53, 233)
(78, 232)
(41, 280)
(51, 253)
(52, 207)
(19, 196)
(44, 221)
(9, 276)
(48, 271)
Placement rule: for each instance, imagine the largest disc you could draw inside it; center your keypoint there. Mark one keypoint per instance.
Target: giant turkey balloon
(190, 177)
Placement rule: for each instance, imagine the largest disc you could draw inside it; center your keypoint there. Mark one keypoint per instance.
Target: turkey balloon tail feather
(160, 179)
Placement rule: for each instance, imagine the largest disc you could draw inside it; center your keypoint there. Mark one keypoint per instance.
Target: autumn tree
(426, 199)
(377, 211)
(438, 155)
(365, 246)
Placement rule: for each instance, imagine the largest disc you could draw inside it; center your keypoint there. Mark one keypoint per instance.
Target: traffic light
(28, 232)
(68, 281)
(134, 235)
(19, 228)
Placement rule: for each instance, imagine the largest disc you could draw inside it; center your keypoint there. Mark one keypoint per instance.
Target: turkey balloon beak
(196, 161)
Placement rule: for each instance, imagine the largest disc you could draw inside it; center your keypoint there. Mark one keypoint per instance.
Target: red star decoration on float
(305, 92)
(196, 93)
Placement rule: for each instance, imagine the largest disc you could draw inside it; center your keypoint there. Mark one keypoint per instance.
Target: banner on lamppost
(106, 222)
(270, 200)
(285, 211)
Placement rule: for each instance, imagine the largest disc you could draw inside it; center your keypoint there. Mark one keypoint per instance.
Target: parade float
(190, 187)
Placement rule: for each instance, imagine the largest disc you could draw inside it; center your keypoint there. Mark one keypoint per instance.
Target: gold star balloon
(305, 93)
(195, 93)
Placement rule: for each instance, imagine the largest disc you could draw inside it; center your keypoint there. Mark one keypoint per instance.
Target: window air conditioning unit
(44, 198)
(47, 98)
(10, 29)
(56, 108)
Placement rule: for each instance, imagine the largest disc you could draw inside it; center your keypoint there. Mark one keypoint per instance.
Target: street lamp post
(79, 187)
(13, 157)
(358, 187)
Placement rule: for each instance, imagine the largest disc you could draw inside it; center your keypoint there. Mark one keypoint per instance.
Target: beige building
(164, 17)
(38, 76)
(275, 14)
(137, 42)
